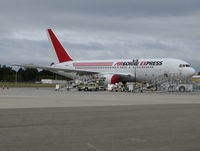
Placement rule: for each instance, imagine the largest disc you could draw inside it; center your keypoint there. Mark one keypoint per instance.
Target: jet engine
(112, 78)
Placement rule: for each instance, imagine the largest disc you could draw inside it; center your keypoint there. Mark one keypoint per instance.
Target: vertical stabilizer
(62, 54)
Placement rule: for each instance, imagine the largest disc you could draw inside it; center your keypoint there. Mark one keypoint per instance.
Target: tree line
(8, 74)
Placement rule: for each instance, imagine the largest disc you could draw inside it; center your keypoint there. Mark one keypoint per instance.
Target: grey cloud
(104, 7)
(26, 51)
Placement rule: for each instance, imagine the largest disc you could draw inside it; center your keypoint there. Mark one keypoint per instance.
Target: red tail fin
(62, 54)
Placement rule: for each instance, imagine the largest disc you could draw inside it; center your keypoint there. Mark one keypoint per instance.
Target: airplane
(113, 71)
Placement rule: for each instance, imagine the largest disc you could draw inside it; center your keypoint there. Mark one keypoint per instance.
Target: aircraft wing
(122, 74)
(53, 68)
(80, 72)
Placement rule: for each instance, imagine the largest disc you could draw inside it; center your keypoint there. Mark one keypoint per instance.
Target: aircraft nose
(192, 71)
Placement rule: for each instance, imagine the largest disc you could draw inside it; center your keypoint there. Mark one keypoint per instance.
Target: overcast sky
(100, 29)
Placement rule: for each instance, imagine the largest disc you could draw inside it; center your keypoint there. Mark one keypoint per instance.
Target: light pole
(135, 76)
(16, 77)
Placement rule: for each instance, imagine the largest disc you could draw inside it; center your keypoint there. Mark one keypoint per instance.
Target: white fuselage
(137, 69)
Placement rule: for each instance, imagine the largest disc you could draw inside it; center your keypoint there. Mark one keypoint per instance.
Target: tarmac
(37, 98)
(39, 120)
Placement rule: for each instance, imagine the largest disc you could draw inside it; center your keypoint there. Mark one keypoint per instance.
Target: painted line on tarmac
(92, 147)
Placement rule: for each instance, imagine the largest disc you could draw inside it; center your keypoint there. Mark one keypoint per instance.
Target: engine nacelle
(112, 78)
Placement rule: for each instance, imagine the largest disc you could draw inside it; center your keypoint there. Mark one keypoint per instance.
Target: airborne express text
(136, 62)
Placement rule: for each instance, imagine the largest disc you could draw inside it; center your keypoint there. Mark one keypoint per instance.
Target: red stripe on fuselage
(92, 64)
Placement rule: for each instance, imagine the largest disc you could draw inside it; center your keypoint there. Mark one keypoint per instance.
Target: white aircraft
(114, 71)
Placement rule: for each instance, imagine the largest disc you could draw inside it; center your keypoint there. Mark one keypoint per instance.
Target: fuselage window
(184, 65)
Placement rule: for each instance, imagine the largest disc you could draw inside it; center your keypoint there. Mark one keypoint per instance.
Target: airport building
(51, 81)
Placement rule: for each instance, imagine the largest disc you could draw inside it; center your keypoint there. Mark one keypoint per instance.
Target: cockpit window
(184, 65)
